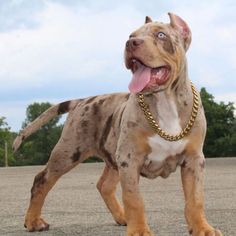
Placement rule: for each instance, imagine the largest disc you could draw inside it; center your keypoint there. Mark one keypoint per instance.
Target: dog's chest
(165, 155)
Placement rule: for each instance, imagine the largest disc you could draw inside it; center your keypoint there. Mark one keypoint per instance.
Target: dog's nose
(132, 44)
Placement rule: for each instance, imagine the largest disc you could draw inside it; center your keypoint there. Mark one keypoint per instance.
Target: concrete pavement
(74, 206)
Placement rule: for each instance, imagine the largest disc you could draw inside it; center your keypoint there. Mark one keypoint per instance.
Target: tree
(5, 137)
(221, 127)
(36, 149)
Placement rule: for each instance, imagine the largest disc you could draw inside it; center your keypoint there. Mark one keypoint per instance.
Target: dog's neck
(171, 105)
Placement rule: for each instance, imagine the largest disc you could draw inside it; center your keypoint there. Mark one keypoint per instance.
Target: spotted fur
(114, 128)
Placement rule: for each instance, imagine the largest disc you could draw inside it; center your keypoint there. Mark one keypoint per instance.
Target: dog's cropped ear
(179, 24)
(148, 19)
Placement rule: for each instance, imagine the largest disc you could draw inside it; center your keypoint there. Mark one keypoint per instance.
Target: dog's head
(156, 53)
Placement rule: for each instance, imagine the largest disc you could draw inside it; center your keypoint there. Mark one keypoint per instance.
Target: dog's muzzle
(133, 44)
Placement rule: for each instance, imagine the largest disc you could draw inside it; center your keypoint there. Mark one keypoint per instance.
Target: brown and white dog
(115, 128)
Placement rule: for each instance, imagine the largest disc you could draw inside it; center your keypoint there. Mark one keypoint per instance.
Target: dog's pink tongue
(140, 79)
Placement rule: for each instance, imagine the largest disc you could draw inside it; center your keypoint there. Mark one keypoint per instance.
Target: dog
(149, 132)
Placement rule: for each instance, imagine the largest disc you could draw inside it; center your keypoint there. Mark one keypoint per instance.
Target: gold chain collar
(158, 129)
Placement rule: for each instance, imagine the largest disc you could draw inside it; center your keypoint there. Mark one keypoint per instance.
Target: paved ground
(74, 206)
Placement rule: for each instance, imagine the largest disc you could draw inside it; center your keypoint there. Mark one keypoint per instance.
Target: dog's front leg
(133, 202)
(192, 172)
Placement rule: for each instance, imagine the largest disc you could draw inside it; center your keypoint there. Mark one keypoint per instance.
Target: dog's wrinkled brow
(147, 30)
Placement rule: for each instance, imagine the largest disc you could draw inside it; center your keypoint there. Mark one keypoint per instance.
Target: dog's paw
(206, 232)
(36, 225)
(120, 220)
(139, 232)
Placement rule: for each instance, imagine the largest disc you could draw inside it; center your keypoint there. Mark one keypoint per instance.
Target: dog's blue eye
(161, 35)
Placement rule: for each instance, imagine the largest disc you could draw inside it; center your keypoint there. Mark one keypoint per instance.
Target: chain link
(158, 129)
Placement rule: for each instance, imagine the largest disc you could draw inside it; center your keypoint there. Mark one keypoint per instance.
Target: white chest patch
(162, 149)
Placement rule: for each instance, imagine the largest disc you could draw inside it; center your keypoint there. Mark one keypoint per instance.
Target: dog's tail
(43, 119)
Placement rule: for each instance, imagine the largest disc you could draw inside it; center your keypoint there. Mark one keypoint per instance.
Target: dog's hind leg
(107, 187)
(63, 158)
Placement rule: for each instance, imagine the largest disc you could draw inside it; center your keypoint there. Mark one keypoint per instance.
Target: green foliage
(36, 149)
(221, 127)
(6, 137)
(93, 159)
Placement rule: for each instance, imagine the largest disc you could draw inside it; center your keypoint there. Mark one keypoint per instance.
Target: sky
(56, 50)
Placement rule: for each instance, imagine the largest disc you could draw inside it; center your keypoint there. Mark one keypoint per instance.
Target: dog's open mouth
(145, 77)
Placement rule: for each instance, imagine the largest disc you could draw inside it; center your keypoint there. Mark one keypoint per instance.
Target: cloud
(226, 97)
(81, 42)
(68, 43)
(211, 55)
(18, 13)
